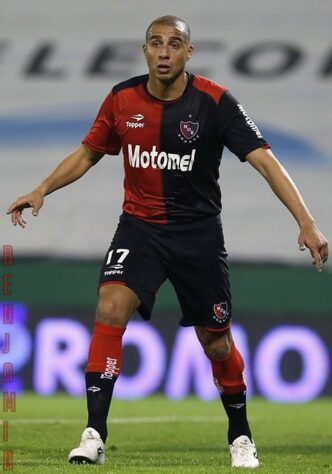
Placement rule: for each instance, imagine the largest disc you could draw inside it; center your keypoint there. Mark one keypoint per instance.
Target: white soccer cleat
(243, 453)
(90, 450)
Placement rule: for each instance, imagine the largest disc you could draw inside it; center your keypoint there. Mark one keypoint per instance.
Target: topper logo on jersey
(162, 160)
(137, 123)
(250, 122)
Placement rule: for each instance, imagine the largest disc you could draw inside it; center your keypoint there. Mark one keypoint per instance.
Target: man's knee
(216, 346)
(108, 312)
(218, 349)
(115, 305)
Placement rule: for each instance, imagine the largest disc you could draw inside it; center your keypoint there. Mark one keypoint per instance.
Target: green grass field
(162, 436)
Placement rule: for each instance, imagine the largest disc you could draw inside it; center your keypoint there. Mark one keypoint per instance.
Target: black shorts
(192, 256)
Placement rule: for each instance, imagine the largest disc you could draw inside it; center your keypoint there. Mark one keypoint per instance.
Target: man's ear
(190, 52)
(144, 49)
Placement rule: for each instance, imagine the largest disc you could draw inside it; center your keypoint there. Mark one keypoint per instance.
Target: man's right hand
(75, 165)
(35, 199)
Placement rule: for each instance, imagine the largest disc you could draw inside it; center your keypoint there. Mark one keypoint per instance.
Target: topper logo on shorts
(221, 312)
(162, 160)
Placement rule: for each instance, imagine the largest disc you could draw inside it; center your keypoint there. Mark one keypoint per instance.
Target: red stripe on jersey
(144, 196)
(215, 91)
(102, 136)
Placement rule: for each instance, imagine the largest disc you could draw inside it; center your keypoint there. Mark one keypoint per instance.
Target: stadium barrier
(281, 325)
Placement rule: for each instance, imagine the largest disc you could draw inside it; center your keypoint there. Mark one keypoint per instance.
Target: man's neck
(167, 91)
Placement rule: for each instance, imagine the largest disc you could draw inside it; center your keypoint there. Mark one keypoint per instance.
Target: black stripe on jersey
(130, 83)
(195, 194)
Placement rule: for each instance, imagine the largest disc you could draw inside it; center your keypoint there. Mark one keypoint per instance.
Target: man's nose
(164, 51)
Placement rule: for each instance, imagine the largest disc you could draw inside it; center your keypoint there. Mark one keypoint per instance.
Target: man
(171, 127)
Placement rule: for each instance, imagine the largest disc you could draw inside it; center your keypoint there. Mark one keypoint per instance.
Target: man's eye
(175, 45)
(155, 44)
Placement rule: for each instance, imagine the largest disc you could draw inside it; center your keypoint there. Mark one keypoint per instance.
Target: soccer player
(171, 127)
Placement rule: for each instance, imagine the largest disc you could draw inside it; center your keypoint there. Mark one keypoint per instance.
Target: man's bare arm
(75, 165)
(282, 185)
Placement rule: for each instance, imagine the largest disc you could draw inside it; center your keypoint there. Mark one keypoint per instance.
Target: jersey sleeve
(236, 129)
(102, 136)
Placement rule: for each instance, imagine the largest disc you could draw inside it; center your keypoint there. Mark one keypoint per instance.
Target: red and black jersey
(172, 149)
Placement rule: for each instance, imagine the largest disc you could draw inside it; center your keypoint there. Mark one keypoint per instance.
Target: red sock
(228, 373)
(105, 353)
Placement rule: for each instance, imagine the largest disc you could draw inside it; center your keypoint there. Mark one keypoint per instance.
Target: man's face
(166, 51)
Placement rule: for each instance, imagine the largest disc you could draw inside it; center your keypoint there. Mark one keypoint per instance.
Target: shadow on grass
(296, 449)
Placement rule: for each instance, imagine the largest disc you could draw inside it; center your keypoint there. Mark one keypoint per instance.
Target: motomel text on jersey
(250, 122)
(159, 160)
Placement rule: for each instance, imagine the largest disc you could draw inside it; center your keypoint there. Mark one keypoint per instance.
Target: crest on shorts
(189, 129)
(221, 311)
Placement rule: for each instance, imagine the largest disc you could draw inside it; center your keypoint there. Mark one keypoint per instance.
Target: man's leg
(227, 369)
(115, 306)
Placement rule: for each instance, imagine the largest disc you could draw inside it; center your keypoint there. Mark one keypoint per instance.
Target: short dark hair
(169, 20)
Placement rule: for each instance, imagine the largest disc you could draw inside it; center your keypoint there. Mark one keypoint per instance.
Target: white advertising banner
(58, 60)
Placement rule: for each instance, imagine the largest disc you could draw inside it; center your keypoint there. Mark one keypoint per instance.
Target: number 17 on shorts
(114, 262)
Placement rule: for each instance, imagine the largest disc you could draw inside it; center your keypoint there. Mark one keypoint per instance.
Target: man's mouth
(163, 68)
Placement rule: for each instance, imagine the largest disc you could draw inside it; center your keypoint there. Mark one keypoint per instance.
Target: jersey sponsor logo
(159, 160)
(189, 129)
(221, 312)
(250, 122)
(137, 123)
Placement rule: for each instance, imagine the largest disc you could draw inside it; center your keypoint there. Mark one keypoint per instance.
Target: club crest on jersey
(189, 129)
(221, 312)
